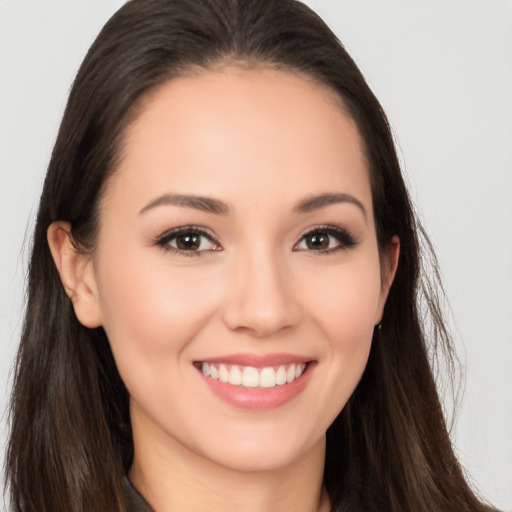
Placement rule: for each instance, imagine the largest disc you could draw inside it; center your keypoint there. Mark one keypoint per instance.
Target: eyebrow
(211, 205)
(320, 201)
(205, 204)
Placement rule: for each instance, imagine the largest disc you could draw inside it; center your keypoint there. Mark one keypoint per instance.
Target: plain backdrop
(442, 70)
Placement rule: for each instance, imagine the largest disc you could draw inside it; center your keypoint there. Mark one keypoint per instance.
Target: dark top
(136, 503)
(134, 500)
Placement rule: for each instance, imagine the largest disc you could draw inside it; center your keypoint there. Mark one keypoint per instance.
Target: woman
(224, 282)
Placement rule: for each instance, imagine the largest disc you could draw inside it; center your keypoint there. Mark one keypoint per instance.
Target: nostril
(253, 320)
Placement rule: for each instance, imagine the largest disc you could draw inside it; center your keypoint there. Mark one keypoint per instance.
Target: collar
(134, 500)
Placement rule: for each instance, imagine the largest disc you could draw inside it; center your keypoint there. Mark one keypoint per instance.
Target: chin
(248, 455)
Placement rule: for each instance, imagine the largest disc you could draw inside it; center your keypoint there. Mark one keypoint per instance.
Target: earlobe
(389, 263)
(76, 272)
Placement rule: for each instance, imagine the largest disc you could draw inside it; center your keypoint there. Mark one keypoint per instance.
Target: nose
(262, 300)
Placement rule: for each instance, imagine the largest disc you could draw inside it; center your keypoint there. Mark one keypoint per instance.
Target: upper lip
(258, 360)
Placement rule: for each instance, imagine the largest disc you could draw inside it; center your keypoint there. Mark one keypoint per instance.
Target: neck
(172, 477)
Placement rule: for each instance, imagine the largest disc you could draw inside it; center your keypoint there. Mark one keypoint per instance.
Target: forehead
(242, 133)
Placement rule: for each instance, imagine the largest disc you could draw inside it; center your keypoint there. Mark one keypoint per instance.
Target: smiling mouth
(251, 377)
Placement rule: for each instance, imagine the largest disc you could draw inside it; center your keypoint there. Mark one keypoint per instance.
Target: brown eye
(325, 240)
(188, 242)
(317, 241)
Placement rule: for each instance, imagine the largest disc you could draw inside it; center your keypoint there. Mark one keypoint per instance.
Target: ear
(389, 264)
(76, 272)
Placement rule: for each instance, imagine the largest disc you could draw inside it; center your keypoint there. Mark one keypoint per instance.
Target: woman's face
(237, 240)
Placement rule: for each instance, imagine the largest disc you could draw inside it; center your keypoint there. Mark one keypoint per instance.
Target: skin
(261, 141)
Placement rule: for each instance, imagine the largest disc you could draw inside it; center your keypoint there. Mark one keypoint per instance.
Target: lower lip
(259, 399)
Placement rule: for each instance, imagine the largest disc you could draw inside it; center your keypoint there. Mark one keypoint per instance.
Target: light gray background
(443, 72)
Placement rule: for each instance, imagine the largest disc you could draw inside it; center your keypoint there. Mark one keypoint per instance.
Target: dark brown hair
(71, 442)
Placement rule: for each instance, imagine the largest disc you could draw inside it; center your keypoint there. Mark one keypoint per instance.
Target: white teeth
(290, 373)
(235, 376)
(250, 377)
(223, 373)
(267, 378)
(281, 376)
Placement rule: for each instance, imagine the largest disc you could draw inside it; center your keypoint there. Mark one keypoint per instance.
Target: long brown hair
(71, 441)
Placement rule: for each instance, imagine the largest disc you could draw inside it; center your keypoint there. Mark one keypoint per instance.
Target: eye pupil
(318, 241)
(188, 242)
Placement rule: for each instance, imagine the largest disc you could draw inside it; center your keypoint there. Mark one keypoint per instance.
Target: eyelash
(345, 240)
(164, 240)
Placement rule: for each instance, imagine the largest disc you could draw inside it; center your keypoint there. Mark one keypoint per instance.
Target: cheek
(150, 309)
(344, 307)
(346, 301)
